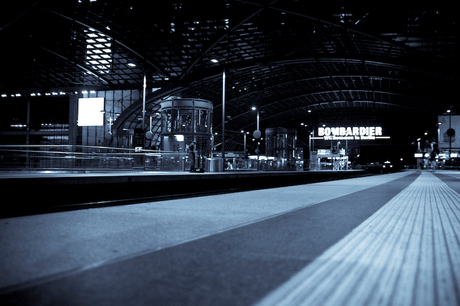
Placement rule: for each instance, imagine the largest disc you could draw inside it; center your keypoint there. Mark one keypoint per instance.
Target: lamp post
(223, 119)
(244, 134)
(450, 133)
(215, 61)
(144, 88)
(257, 133)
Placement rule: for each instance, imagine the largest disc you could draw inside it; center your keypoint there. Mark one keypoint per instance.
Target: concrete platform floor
(388, 239)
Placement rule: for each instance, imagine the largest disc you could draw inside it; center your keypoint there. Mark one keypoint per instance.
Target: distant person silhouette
(191, 152)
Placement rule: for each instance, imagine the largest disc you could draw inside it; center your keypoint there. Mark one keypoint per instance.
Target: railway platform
(390, 239)
(47, 191)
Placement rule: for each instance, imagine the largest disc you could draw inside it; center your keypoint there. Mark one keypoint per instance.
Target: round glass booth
(281, 148)
(184, 120)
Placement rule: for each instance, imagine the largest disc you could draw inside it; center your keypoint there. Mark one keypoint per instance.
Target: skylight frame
(99, 51)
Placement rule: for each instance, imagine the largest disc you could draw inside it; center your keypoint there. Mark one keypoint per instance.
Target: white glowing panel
(90, 111)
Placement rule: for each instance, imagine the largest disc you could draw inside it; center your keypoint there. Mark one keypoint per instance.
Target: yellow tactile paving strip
(407, 253)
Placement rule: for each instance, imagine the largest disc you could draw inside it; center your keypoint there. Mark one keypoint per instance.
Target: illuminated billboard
(90, 111)
(351, 133)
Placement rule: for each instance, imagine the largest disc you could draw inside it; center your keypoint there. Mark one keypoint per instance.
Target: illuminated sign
(90, 111)
(351, 133)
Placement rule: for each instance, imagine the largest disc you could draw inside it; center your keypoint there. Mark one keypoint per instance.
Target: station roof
(296, 61)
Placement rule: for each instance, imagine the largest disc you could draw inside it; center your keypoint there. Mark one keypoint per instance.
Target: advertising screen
(90, 111)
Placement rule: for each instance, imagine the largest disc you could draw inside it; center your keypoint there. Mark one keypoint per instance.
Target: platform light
(4, 96)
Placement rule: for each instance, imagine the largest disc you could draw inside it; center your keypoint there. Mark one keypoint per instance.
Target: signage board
(351, 133)
(90, 112)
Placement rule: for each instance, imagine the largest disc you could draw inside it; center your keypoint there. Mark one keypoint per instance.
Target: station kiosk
(327, 159)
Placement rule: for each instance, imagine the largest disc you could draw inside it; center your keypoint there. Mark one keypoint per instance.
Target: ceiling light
(214, 60)
(131, 65)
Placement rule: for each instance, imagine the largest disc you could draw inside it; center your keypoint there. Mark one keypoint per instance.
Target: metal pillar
(143, 110)
(223, 120)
